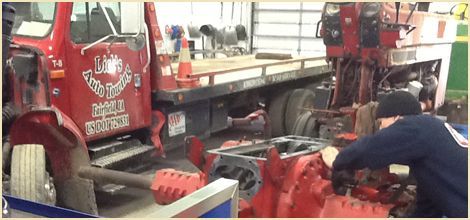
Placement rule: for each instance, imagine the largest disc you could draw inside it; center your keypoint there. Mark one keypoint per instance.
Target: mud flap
(78, 194)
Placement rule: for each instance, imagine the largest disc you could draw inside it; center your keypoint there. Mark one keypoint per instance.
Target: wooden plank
(233, 63)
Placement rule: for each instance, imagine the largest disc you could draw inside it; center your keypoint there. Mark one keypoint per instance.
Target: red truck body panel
(99, 89)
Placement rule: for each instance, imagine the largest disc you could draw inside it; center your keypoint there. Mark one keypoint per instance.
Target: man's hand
(328, 155)
(341, 180)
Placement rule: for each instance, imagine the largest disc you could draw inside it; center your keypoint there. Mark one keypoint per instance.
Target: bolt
(56, 92)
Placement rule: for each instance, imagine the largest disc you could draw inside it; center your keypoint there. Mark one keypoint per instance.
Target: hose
(9, 113)
(6, 148)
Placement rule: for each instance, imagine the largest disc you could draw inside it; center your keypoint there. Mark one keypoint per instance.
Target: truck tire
(305, 125)
(298, 100)
(277, 111)
(29, 178)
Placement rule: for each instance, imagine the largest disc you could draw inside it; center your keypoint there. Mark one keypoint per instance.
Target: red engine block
(282, 177)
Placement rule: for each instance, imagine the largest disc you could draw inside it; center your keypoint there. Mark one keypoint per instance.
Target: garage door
(287, 28)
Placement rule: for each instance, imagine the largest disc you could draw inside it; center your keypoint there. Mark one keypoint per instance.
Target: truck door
(109, 89)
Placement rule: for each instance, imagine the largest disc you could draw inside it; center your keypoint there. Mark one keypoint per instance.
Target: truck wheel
(305, 125)
(277, 110)
(29, 178)
(298, 100)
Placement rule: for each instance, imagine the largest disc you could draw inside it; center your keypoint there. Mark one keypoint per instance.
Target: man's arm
(400, 143)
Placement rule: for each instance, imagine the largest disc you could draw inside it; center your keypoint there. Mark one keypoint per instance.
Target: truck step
(107, 148)
(124, 159)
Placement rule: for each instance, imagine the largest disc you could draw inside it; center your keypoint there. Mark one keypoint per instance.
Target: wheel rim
(49, 187)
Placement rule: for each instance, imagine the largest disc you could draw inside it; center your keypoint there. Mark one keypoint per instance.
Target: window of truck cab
(33, 19)
(88, 22)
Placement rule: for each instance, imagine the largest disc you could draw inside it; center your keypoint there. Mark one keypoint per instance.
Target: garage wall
(277, 27)
(180, 13)
(287, 28)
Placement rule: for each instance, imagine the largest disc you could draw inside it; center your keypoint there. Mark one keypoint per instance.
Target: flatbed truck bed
(223, 76)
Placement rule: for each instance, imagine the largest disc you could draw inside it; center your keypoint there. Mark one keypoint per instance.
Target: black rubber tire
(311, 128)
(305, 125)
(300, 124)
(277, 112)
(28, 174)
(298, 100)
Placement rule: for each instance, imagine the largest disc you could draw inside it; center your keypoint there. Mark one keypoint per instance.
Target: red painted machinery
(374, 49)
(282, 177)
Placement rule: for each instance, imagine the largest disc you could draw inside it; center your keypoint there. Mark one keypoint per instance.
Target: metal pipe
(111, 25)
(338, 84)
(249, 119)
(103, 175)
(364, 83)
(411, 13)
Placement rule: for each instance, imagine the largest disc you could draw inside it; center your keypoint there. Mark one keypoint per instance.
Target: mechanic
(436, 154)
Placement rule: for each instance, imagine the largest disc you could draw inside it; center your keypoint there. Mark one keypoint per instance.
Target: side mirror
(132, 17)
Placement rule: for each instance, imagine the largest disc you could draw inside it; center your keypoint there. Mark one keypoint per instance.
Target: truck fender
(66, 149)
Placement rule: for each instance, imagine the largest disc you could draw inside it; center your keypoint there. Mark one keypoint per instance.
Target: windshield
(33, 19)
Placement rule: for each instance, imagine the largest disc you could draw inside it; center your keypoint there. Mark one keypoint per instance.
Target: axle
(115, 177)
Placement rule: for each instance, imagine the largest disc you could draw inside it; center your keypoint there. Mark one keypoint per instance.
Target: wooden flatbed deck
(240, 67)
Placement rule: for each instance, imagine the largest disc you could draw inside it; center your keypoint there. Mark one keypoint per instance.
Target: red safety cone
(185, 69)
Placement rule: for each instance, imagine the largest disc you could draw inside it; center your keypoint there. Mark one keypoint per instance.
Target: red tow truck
(89, 83)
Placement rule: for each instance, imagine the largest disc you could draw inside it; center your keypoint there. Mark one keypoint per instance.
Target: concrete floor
(133, 202)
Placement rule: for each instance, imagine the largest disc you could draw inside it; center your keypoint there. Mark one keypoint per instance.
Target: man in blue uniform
(436, 154)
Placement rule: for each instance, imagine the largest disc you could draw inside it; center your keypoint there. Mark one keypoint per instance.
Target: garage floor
(133, 202)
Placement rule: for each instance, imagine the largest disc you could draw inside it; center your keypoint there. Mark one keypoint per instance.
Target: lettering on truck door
(106, 80)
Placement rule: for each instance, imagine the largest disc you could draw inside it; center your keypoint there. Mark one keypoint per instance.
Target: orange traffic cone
(185, 69)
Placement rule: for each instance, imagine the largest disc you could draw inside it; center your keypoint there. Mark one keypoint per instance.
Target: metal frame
(198, 203)
(237, 151)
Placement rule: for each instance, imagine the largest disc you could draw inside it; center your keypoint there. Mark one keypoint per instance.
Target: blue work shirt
(436, 160)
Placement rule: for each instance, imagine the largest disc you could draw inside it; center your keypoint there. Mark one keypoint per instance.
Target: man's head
(395, 105)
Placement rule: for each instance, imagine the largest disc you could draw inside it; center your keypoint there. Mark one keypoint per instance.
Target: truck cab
(78, 89)
(92, 60)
